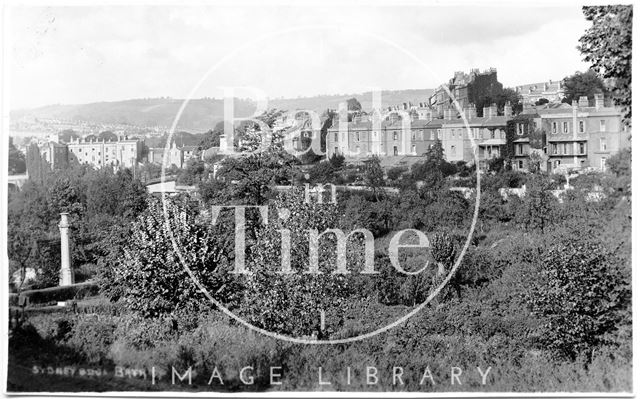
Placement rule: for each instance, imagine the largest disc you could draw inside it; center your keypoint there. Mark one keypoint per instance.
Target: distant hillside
(201, 114)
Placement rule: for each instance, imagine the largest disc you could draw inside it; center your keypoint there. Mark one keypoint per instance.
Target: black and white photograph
(319, 198)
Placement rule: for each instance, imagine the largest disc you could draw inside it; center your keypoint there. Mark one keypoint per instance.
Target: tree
(17, 161)
(534, 162)
(212, 137)
(353, 104)
(373, 175)
(395, 172)
(538, 208)
(193, 173)
(499, 96)
(582, 84)
(291, 303)
(249, 178)
(149, 277)
(542, 101)
(114, 194)
(620, 163)
(580, 295)
(607, 46)
(337, 161)
(322, 172)
(496, 164)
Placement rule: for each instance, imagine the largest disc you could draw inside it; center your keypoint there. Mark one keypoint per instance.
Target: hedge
(56, 294)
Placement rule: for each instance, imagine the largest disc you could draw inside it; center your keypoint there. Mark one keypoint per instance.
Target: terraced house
(582, 135)
(397, 136)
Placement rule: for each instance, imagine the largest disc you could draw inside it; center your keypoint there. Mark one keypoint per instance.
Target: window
(581, 148)
(413, 149)
(395, 150)
(519, 149)
(453, 150)
(520, 164)
(520, 129)
(433, 135)
(565, 127)
(603, 144)
(357, 136)
(335, 150)
(459, 133)
(439, 134)
(357, 149)
(395, 135)
(554, 149)
(603, 125)
(493, 134)
(581, 126)
(335, 137)
(603, 163)
(554, 127)
(413, 135)
(565, 148)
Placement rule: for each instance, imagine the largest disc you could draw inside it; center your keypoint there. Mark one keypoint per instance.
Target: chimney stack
(470, 111)
(599, 100)
(507, 109)
(490, 111)
(583, 101)
(66, 274)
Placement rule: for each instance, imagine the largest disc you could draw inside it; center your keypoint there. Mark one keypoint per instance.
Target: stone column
(66, 274)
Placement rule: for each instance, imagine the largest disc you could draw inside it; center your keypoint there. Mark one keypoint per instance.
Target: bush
(92, 336)
(581, 296)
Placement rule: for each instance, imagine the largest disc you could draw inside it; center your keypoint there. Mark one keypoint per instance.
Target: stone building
(551, 90)
(177, 155)
(56, 155)
(581, 136)
(123, 152)
(465, 89)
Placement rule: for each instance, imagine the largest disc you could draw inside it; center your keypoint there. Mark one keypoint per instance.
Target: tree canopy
(582, 84)
(606, 45)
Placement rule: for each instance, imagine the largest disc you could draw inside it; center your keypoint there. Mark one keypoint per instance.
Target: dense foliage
(606, 45)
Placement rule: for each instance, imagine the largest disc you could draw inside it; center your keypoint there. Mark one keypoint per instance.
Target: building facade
(55, 154)
(581, 136)
(465, 89)
(123, 152)
(397, 136)
(551, 90)
(177, 155)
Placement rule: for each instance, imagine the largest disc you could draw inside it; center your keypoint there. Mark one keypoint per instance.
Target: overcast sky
(71, 55)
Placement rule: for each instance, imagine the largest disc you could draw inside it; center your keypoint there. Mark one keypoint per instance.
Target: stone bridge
(16, 182)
